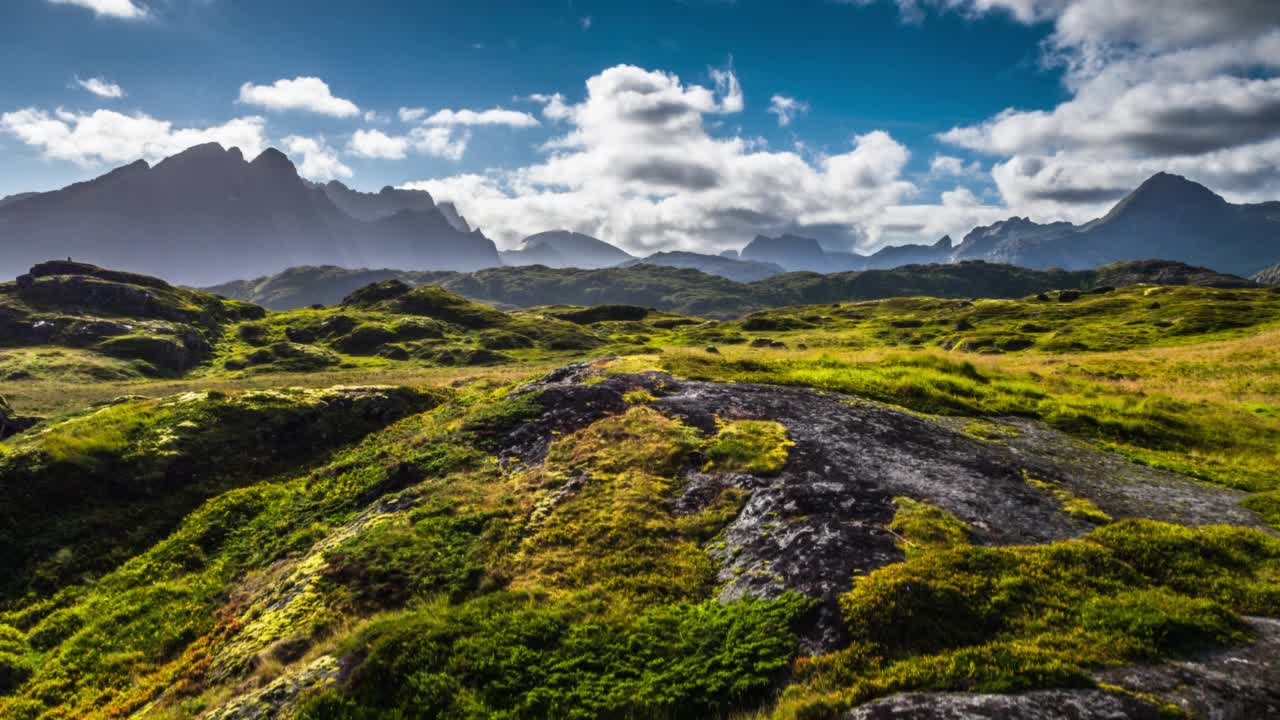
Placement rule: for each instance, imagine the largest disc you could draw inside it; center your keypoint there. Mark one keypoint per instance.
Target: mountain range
(1168, 217)
(208, 215)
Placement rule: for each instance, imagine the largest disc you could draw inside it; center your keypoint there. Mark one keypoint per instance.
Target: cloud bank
(637, 165)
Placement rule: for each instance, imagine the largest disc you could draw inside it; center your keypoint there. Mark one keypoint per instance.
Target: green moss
(121, 477)
(430, 552)
(1267, 505)
(1072, 504)
(1007, 619)
(922, 527)
(758, 447)
(166, 353)
(517, 656)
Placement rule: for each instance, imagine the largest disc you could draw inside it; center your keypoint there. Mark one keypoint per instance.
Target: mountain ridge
(207, 215)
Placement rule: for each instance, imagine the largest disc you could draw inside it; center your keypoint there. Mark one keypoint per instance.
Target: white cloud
(494, 116)
(109, 136)
(441, 142)
(553, 106)
(309, 94)
(379, 145)
(1184, 86)
(319, 161)
(786, 109)
(585, 22)
(123, 9)
(948, 166)
(409, 115)
(101, 88)
(638, 166)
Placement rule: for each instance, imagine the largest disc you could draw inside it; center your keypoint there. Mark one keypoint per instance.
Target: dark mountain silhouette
(206, 215)
(789, 251)
(743, 271)
(10, 199)
(455, 218)
(561, 248)
(374, 206)
(1168, 217)
(893, 256)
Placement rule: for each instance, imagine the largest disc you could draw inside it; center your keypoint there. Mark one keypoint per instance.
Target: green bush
(517, 656)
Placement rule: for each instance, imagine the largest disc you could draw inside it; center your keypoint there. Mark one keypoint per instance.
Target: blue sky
(916, 80)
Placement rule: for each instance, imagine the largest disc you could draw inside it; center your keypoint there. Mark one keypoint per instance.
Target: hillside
(743, 271)
(411, 504)
(690, 291)
(299, 287)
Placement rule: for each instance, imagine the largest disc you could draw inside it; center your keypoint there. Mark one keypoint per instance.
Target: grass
(1213, 433)
(959, 617)
(757, 447)
(216, 539)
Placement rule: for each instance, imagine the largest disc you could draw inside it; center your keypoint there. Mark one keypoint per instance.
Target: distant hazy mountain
(893, 256)
(206, 215)
(743, 271)
(562, 249)
(789, 251)
(1166, 217)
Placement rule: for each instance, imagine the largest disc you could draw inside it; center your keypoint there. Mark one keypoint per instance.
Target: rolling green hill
(1002, 493)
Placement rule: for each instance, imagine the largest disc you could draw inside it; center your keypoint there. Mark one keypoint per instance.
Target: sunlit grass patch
(758, 447)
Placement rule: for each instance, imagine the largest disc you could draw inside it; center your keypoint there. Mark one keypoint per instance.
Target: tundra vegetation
(377, 509)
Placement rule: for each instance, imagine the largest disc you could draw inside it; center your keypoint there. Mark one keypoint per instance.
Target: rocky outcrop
(823, 519)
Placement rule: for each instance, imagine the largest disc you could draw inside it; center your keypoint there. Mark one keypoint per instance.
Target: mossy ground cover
(955, 616)
(591, 592)
(1144, 403)
(450, 584)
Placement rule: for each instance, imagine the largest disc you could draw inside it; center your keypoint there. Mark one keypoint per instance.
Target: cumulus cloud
(377, 144)
(308, 94)
(948, 166)
(638, 166)
(786, 109)
(109, 136)
(319, 161)
(585, 22)
(101, 88)
(441, 142)
(122, 9)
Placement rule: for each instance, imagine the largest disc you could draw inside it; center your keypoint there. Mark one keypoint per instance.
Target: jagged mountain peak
(1163, 192)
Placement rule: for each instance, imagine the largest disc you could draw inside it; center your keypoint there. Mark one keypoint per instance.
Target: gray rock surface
(823, 519)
